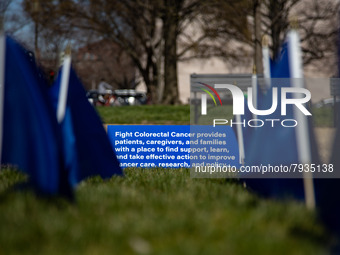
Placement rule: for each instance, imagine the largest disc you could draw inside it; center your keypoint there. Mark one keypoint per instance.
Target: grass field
(155, 211)
(145, 114)
(180, 115)
(323, 117)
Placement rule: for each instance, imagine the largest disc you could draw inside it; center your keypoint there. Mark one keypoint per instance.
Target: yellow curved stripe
(210, 95)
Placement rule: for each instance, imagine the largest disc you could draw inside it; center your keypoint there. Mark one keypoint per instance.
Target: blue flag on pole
(275, 139)
(87, 149)
(30, 131)
(277, 145)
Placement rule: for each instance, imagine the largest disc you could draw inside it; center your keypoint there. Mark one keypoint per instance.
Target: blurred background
(153, 46)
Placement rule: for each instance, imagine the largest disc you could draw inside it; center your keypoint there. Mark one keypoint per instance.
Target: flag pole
(302, 132)
(266, 61)
(2, 81)
(254, 87)
(240, 139)
(61, 109)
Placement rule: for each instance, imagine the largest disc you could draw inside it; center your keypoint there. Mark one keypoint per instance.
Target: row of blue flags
(279, 145)
(56, 156)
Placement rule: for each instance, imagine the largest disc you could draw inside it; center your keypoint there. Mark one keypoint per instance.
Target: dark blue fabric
(280, 67)
(247, 131)
(87, 149)
(328, 190)
(274, 145)
(278, 143)
(30, 132)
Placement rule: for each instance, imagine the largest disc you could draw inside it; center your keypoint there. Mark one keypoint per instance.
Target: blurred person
(102, 88)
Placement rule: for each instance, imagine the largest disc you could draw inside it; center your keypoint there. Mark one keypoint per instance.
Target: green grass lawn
(145, 114)
(323, 117)
(155, 211)
(180, 115)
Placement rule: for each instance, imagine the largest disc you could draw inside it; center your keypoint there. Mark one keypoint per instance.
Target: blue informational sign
(164, 146)
(172, 146)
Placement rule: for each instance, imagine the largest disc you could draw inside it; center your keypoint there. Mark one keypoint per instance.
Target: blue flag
(87, 149)
(278, 140)
(277, 145)
(327, 190)
(30, 131)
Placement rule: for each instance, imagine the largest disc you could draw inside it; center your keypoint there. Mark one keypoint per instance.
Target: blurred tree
(170, 14)
(257, 16)
(156, 34)
(12, 19)
(276, 21)
(217, 29)
(3, 8)
(105, 60)
(316, 20)
(318, 23)
(153, 33)
(133, 25)
(51, 31)
(202, 29)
